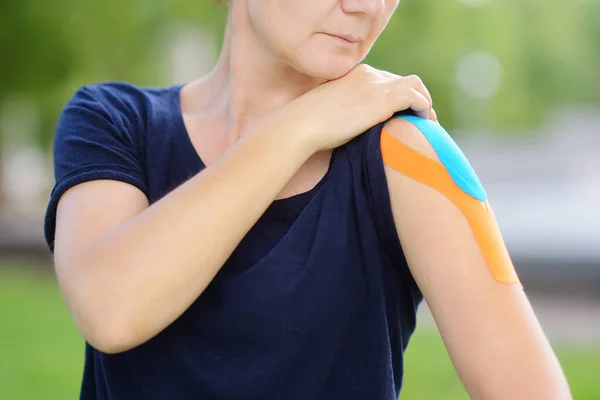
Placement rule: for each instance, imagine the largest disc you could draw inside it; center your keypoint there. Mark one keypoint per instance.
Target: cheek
(377, 27)
(376, 30)
(284, 25)
(381, 23)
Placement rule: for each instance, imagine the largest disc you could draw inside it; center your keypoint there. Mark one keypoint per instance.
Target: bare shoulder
(408, 132)
(425, 148)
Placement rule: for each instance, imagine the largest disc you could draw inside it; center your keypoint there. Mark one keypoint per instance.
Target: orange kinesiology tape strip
(409, 162)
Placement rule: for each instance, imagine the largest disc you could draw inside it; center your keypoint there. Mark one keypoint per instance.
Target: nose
(370, 8)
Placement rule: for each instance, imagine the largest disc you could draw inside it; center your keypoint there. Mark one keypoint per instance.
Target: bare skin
(263, 135)
(287, 90)
(492, 335)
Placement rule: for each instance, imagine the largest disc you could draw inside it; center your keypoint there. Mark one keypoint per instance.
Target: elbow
(103, 318)
(108, 345)
(109, 335)
(108, 342)
(105, 324)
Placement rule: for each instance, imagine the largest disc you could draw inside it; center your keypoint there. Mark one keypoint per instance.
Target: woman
(237, 237)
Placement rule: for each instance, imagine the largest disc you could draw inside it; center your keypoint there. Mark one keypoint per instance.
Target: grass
(42, 353)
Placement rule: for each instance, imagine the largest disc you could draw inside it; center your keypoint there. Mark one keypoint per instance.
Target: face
(320, 38)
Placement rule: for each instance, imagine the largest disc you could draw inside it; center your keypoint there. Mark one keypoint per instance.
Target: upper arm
(86, 212)
(428, 175)
(456, 254)
(100, 181)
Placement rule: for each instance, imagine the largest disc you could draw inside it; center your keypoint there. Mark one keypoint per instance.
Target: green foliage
(429, 373)
(42, 352)
(549, 51)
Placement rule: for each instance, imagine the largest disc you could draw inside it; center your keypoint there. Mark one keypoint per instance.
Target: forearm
(508, 357)
(142, 275)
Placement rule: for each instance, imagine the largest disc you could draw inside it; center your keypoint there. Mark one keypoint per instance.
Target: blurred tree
(549, 51)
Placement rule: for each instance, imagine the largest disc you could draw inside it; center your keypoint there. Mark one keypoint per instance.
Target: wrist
(295, 131)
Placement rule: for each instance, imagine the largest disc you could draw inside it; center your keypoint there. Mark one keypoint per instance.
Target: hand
(337, 111)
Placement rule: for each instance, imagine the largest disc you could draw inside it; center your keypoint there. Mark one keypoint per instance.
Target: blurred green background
(549, 50)
(516, 81)
(42, 352)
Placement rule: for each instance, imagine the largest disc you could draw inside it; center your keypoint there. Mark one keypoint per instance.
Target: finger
(433, 115)
(401, 96)
(416, 82)
(418, 103)
(388, 75)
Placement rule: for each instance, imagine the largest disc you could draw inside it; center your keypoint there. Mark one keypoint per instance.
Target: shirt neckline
(292, 203)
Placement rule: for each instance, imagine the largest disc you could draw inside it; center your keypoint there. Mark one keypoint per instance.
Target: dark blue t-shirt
(316, 302)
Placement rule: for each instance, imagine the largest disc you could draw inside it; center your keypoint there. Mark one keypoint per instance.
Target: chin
(326, 67)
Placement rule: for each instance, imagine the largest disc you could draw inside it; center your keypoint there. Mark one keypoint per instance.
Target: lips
(348, 38)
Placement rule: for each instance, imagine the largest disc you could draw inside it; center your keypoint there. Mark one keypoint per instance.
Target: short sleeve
(93, 141)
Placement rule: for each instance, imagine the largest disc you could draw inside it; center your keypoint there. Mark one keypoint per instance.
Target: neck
(248, 83)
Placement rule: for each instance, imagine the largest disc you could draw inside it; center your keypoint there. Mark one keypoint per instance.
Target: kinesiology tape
(455, 179)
